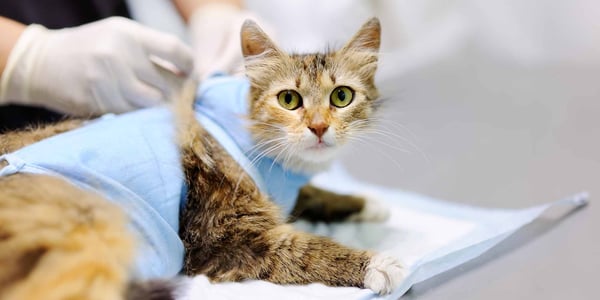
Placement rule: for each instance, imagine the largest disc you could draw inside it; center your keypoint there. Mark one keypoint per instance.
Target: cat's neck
(298, 165)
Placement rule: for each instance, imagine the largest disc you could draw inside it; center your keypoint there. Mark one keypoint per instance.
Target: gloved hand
(101, 67)
(215, 36)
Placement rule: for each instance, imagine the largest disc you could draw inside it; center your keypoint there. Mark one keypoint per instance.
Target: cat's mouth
(319, 146)
(318, 152)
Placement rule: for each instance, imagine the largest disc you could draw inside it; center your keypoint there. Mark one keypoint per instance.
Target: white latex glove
(215, 36)
(101, 67)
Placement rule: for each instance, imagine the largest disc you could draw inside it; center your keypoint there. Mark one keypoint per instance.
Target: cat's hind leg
(14, 140)
(60, 242)
(315, 204)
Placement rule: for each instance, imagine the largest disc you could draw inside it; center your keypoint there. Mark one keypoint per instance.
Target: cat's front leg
(284, 255)
(298, 257)
(315, 204)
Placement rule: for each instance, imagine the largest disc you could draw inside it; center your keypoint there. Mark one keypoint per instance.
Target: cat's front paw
(384, 273)
(373, 211)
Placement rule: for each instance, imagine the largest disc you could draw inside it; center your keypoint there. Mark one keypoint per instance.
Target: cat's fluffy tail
(60, 242)
(184, 111)
(152, 290)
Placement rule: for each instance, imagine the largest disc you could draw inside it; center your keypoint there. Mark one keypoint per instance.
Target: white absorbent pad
(428, 236)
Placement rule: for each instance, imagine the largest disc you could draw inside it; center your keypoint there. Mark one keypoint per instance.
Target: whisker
(396, 163)
(266, 152)
(397, 126)
(277, 156)
(250, 152)
(364, 127)
(372, 139)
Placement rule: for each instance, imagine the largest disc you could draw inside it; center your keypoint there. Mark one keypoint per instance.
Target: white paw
(373, 211)
(384, 274)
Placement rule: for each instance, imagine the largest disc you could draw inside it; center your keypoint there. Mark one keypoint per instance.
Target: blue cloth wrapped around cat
(133, 160)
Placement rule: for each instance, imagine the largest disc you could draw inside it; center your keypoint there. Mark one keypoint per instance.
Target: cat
(60, 241)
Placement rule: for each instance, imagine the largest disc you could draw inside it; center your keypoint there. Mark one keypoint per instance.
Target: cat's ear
(255, 41)
(368, 38)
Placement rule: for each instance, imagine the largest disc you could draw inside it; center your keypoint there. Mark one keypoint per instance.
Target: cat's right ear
(368, 37)
(255, 41)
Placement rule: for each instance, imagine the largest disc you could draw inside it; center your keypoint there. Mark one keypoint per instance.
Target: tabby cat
(61, 241)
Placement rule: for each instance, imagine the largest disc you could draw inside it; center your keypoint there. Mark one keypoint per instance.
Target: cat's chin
(306, 167)
(311, 160)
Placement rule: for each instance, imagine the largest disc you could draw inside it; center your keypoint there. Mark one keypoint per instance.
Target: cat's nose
(318, 129)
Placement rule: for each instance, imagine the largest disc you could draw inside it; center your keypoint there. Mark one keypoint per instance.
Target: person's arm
(11, 30)
(187, 7)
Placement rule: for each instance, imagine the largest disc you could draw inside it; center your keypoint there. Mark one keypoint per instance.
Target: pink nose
(318, 129)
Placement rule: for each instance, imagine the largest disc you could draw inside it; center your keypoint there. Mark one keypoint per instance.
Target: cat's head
(305, 107)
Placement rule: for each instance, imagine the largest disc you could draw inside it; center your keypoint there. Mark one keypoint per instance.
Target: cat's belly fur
(133, 160)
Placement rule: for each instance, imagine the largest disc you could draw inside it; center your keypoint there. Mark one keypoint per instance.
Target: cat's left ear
(368, 38)
(255, 41)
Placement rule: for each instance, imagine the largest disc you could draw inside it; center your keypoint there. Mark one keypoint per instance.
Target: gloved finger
(140, 94)
(100, 95)
(107, 94)
(150, 74)
(167, 47)
(231, 56)
(129, 92)
(207, 45)
(223, 55)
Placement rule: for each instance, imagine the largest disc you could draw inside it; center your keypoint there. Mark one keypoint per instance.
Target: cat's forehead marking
(313, 65)
(332, 77)
(327, 80)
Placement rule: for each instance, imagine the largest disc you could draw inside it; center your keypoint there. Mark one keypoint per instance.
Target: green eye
(289, 99)
(342, 96)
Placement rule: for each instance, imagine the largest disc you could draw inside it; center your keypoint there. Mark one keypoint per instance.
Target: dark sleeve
(62, 13)
(53, 14)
